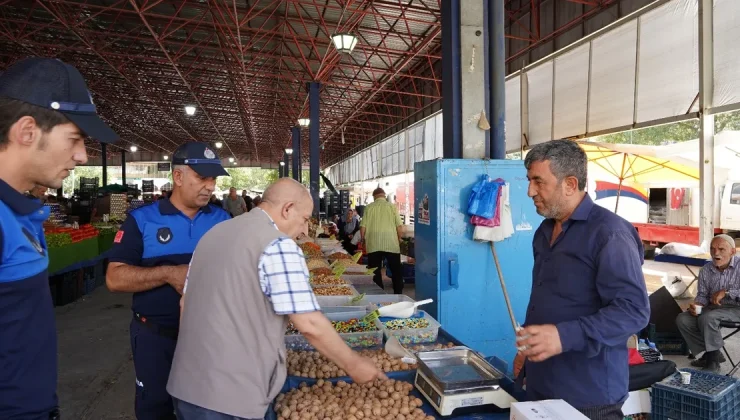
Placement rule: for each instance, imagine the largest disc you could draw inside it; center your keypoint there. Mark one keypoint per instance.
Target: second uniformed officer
(150, 258)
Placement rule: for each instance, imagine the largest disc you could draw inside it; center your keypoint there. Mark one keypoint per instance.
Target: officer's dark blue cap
(51, 84)
(201, 158)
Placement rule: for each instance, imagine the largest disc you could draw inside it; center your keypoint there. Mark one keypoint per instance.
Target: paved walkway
(96, 373)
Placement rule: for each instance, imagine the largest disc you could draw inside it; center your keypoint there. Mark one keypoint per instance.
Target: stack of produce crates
(708, 396)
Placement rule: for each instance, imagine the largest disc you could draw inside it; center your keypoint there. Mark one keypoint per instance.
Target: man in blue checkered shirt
(247, 280)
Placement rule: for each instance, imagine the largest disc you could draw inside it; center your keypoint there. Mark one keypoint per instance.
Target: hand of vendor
(177, 276)
(540, 342)
(717, 297)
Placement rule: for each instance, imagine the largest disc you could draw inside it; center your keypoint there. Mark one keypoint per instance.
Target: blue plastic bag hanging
(484, 197)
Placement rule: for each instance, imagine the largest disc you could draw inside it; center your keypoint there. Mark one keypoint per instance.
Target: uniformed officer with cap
(150, 258)
(46, 112)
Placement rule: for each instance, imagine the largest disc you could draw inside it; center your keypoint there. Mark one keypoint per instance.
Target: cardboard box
(545, 410)
(638, 402)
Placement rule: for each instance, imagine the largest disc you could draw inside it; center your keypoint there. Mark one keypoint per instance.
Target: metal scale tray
(458, 370)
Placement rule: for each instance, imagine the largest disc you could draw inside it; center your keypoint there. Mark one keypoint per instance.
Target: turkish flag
(677, 195)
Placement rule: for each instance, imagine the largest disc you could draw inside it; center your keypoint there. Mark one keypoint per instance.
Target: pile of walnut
(382, 400)
(311, 364)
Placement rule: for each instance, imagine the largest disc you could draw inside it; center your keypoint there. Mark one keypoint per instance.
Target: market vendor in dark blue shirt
(588, 290)
(46, 112)
(150, 257)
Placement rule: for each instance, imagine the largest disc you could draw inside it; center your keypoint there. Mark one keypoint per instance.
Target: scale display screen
(459, 373)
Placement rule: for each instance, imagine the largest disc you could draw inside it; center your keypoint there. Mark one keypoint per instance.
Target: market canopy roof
(243, 64)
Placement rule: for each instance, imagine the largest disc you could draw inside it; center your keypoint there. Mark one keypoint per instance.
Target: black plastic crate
(67, 290)
(90, 285)
(708, 397)
(670, 343)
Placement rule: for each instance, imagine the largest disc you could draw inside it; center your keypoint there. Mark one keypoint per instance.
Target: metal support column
(497, 73)
(281, 171)
(706, 121)
(297, 164)
(286, 158)
(524, 112)
(104, 158)
(451, 80)
(313, 149)
(123, 168)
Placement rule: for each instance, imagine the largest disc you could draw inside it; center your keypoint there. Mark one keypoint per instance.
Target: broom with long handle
(503, 288)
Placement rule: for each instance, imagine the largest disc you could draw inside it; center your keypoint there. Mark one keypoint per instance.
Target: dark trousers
(375, 260)
(604, 412)
(187, 411)
(153, 355)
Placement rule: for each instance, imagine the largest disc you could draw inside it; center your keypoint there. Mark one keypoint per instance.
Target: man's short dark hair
(566, 159)
(12, 110)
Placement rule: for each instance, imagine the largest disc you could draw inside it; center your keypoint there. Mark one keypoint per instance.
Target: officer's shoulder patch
(119, 237)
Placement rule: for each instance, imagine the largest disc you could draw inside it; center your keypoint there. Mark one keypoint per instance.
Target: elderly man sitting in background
(718, 299)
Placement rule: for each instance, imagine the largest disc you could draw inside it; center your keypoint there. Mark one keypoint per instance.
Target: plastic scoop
(401, 309)
(394, 349)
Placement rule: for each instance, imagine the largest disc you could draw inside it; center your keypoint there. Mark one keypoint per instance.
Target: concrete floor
(96, 373)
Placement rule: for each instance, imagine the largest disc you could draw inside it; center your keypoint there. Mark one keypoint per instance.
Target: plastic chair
(736, 327)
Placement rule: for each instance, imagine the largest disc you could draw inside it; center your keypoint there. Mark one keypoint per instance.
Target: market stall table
(506, 383)
(369, 289)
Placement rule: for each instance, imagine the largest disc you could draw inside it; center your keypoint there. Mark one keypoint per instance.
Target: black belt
(157, 329)
(54, 415)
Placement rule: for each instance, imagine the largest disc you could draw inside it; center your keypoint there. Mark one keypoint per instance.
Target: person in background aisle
(150, 257)
(230, 359)
(215, 201)
(351, 227)
(234, 204)
(351, 224)
(46, 112)
(718, 299)
(247, 200)
(588, 291)
(381, 232)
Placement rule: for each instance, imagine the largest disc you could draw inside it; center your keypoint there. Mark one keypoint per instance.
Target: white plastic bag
(678, 285)
(682, 250)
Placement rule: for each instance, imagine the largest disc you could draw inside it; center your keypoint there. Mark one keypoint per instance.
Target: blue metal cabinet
(458, 272)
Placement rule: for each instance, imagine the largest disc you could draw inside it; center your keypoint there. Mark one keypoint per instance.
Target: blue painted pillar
(286, 158)
(104, 157)
(313, 137)
(297, 164)
(497, 72)
(451, 81)
(123, 168)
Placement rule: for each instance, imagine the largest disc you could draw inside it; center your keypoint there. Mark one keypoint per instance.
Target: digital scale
(459, 377)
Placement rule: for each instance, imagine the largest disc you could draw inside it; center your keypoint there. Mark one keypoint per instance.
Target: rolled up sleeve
(284, 278)
(625, 308)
